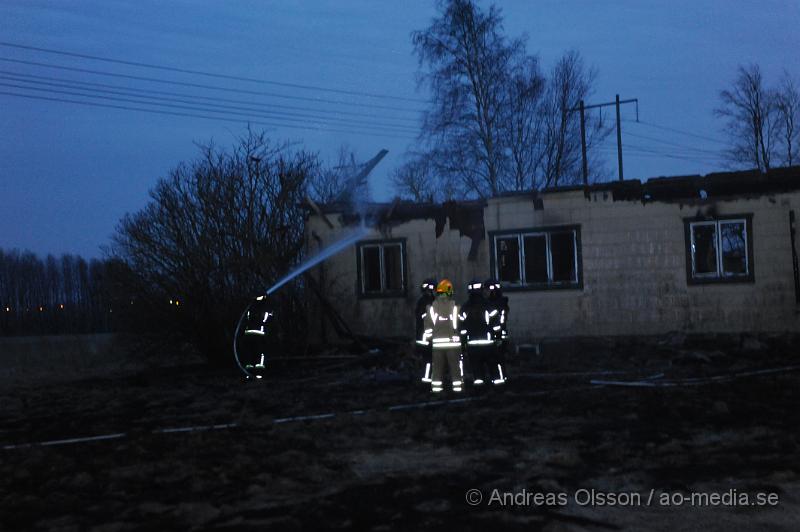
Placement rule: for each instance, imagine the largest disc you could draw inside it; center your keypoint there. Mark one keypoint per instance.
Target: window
(537, 258)
(719, 250)
(381, 268)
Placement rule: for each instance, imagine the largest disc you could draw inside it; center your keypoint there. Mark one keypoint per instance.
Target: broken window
(720, 249)
(382, 268)
(508, 260)
(704, 248)
(534, 259)
(564, 257)
(733, 248)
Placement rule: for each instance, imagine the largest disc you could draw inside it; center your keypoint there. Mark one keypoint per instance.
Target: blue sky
(68, 172)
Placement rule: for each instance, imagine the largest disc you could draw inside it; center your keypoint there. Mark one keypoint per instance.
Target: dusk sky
(68, 171)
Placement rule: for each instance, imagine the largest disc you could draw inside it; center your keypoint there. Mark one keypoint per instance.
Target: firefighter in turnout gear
(497, 311)
(477, 334)
(442, 320)
(423, 335)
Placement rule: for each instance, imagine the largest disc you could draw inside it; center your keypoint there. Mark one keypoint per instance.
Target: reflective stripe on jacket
(442, 321)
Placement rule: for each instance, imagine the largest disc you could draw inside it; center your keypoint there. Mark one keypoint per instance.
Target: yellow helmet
(444, 287)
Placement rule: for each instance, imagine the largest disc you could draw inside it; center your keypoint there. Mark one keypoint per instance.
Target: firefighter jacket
(476, 326)
(498, 316)
(443, 323)
(420, 311)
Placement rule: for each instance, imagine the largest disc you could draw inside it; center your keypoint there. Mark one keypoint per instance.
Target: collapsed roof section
(718, 185)
(467, 216)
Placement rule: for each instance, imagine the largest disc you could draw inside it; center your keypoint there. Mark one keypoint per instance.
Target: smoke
(355, 196)
(323, 254)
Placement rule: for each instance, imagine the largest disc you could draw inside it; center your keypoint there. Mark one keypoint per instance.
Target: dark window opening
(536, 259)
(381, 268)
(540, 259)
(734, 248)
(719, 250)
(704, 248)
(508, 260)
(371, 261)
(393, 267)
(564, 257)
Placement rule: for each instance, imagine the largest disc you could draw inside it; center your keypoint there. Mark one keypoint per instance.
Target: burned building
(700, 254)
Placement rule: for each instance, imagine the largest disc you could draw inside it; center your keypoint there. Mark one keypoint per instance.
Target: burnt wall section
(633, 250)
(466, 217)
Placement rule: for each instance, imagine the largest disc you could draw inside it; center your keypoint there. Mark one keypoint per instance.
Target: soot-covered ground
(370, 451)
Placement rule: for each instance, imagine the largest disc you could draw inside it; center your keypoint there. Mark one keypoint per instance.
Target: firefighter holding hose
(442, 320)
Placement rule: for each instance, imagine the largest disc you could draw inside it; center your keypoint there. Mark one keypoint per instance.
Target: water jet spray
(252, 336)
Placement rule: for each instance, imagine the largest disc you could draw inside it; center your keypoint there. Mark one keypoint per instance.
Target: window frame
(360, 279)
(718, 277)
(547, 232)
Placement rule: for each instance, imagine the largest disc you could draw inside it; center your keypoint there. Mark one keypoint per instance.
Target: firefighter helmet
(475, 286)
(428, 286)
(444, 287)
(494, 288)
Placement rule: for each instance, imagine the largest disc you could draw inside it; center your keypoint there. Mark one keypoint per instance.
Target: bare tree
(523, 131)
(328, 183)
(752, 120)
(217, 231)
(416, 180)
(561, 161)
(788, 109)
(468, 60)
(496, 123)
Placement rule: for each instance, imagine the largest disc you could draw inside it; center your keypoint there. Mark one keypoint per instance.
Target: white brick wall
(634, 270)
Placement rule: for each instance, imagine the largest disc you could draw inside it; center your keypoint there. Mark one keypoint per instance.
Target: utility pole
(619, 142)
(583, 147)
(582, 108)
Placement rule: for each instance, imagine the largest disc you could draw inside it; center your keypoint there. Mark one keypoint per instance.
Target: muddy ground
(388, 461)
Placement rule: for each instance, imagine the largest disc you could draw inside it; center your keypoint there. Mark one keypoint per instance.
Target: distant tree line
(217, 231)
(64, 295)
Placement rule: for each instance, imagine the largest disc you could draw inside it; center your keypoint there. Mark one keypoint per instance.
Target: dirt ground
(376, 454)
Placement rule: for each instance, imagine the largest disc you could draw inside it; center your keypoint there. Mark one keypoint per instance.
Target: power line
(646, 155)
(229, 109)
(199, 97)
(683, 146)
(657, 153)
(202, 109)
(190, 115)
(674, 130)
(660, 151)
(649, 155)
(211, 87)
(210, 74)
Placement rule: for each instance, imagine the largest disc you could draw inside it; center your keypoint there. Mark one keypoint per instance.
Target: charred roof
(467, 216)
(747, 183)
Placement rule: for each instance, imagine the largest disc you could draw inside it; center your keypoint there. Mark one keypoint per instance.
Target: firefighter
(251, 347)
(497, 312)
(442, 320)
(477, 334)
(422, 336)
